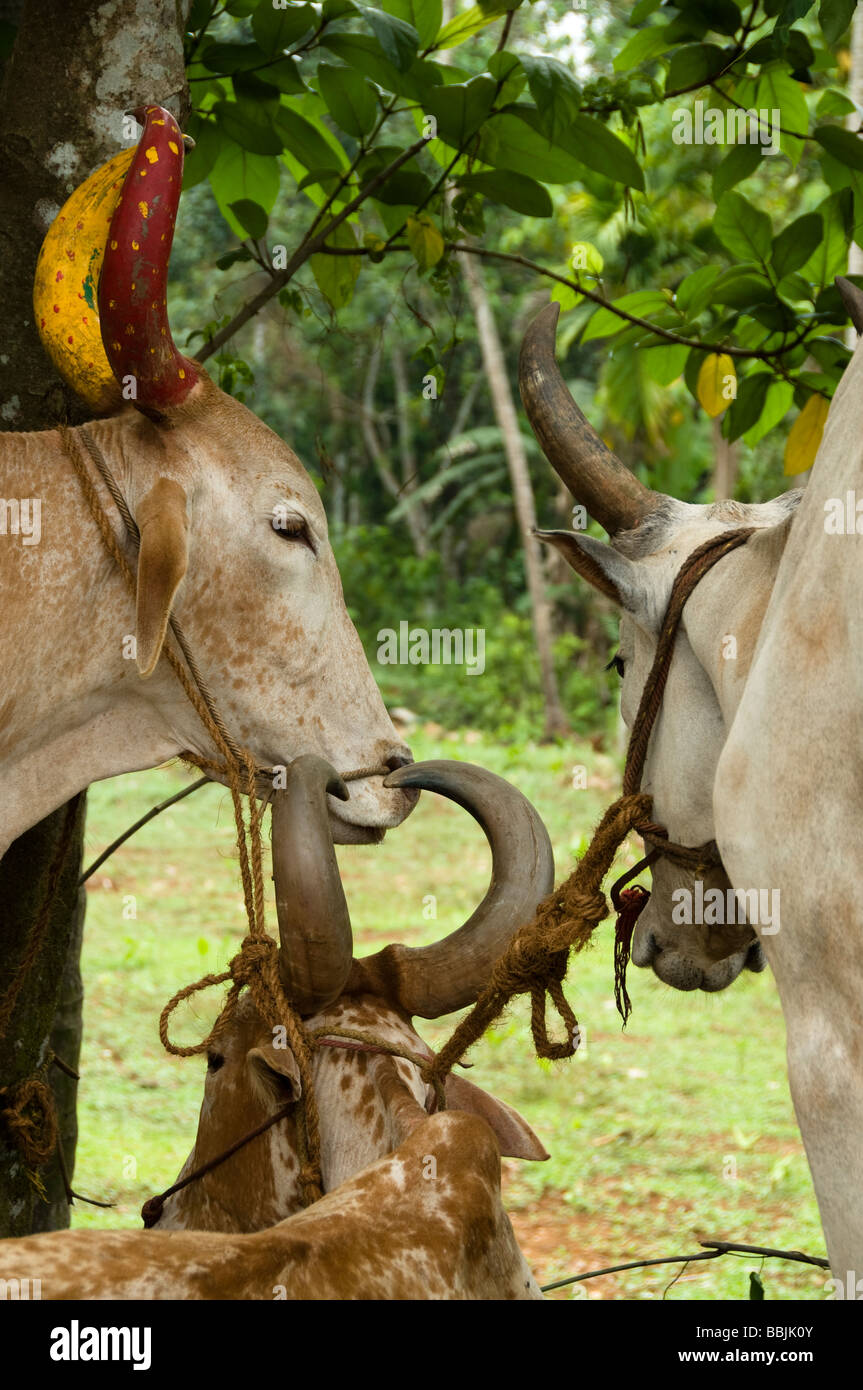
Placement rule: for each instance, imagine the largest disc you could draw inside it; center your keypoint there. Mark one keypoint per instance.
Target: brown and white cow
(234, 545)
(413, 1206)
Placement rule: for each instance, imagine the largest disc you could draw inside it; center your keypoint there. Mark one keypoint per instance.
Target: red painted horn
(132, 290)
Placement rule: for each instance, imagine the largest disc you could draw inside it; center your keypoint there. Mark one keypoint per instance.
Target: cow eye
(215, 1061)
(617, 663)
(291, 527)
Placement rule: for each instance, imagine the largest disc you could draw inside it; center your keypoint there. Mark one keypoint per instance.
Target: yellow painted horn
(65, 290)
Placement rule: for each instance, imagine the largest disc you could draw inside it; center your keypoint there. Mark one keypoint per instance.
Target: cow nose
(399, 757)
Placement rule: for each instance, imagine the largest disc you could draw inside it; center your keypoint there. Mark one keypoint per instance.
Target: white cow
(757, 745)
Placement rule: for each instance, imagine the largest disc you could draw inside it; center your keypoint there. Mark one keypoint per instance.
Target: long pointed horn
(435, 980)
(133, 284)
(314, 923)
(594, 475)
(852, 298)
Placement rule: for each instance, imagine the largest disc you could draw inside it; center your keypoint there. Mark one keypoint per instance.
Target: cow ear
(613, 574)
(162, 561)
(514, 1135)
(274, 1066)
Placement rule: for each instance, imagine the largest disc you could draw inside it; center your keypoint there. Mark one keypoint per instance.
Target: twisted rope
(256, 964)
(535, 962)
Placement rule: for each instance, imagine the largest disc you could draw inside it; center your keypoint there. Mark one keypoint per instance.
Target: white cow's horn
(594, 475)
(314, 922)
(434, 980)
(852, 298)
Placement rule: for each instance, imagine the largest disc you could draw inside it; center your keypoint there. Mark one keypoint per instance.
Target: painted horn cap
(133, 284)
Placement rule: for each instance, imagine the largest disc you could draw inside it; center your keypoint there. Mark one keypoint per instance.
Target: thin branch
(127, 834)
(711, 1250)
(308, 247)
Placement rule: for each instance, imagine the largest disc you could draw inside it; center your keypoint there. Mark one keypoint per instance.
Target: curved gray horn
(314, 923)
(594, 475)
(435, 980)
(852, 298)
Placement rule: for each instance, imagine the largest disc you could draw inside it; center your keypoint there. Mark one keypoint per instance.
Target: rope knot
(254, 955)
(30, 1119)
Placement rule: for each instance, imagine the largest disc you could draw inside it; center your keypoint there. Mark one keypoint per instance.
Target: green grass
(680, 1126)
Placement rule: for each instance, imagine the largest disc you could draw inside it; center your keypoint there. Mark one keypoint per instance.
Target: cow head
(651, 535)
(368, 1102)
(234, 540)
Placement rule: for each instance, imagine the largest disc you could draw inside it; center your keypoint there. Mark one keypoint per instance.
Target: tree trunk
(76, 67)
(505, 413)
(724, 465)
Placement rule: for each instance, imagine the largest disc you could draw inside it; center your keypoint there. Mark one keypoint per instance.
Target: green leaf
(239, 253)
(424, 15)
(510, 141)
(743, 229)
(425, 241)
(834, 16)
(306, 141)
(665, 364)
(795, 244)
(721, 15)
(842, 144)
(746, 408)
(604, 323)
(350, 100)
(461, 108)
(398, 40)
(777, 91)
(642, 9)
(251, 217)
(276, 29)
(831, 254)
(738, 164)
(555, 91)
(364, 53)
(833, 103)
(779, 400)
(470, 22)
(647, 44)
(200, 160)
(693, 293)
(336, 275)
(694, 65)
(742, 291)
(285, 75)
(249, 123)
(515, 191)
(602, 150)
(237, 174)
(232, 57)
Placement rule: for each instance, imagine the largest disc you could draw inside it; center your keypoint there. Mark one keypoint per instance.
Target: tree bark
(556, 722)
(724, 464)
(76, 67)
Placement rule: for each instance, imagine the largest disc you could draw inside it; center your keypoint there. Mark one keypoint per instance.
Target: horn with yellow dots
(65, 289)
(101, 278)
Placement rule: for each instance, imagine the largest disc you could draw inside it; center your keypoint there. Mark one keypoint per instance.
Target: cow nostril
(401, 757)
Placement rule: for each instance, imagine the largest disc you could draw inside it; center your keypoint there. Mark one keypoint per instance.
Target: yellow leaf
(425, 241)
(804, 436)
(717, 383)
